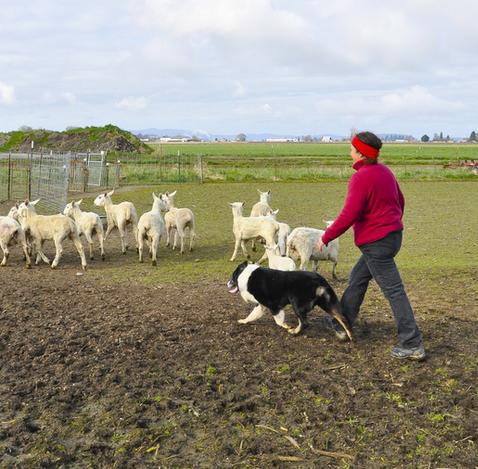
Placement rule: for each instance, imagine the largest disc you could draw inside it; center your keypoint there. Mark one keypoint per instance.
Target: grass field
(243, 162)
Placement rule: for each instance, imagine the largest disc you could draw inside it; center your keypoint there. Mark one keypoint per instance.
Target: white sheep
(302, 244)
(261, 209)
(118, 215)
(278, 262)
(11, 233)
(282, 235)
(87, 223)
(49, 227)
(151, 227)
(177, 220)
(246, 228)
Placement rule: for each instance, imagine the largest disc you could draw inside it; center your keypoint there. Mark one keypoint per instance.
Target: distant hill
(78, 139)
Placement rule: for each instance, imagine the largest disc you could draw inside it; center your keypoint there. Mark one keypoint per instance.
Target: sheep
(282, 234)
(276, 261)
(177, 220)
(261, 209)
(302, 244)
(87, 223)
(245, 228)
(46, 227)
(151, 227)
(119, 215)
(11, 233)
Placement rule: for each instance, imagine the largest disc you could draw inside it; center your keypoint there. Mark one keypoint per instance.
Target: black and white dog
(274, 289)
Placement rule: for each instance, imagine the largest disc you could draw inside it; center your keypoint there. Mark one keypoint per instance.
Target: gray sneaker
(414, 353)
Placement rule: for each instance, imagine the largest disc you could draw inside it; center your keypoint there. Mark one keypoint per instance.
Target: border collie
(274, 289)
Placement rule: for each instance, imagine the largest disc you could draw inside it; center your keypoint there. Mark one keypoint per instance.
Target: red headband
(366, 150)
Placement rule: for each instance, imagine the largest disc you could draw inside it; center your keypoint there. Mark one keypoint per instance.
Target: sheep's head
(160, 203)
(237, 208)
(265, 197)
(68, 210)
(27, 208)
(101, 199)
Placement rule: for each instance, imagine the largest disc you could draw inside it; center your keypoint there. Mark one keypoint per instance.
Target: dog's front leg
(279, 318)
(255, 314)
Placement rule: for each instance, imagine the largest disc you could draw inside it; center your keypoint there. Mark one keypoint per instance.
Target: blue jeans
(377, 262)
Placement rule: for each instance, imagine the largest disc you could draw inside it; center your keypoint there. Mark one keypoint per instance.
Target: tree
(425, 138)
(25, 128)
(241, 137)
(472, 137)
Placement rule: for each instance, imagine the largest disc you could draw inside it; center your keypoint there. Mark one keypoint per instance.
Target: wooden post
(85, 177)
(179, 166)
(107, 175)
(201, 173)
(118, 174)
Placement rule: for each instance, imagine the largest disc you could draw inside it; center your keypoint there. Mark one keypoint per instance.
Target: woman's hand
(320, 245)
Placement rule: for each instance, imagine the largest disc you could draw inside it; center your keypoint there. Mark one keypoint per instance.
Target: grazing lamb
(118, 215)
(49, 227)
(11, 233)
(246, 228)
(302, 244)
(278, 262)
(261, 209)
(87, 223)
(151, 227)
(178, 220)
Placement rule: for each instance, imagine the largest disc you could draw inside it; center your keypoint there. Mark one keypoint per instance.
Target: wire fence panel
(49, 180)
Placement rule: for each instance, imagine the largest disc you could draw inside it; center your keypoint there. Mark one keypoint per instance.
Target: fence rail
(50, 176)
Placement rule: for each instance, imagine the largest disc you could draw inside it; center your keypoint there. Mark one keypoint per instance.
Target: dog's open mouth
(233, 290)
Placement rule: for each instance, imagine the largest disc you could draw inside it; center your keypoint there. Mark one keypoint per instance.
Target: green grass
(440, 227)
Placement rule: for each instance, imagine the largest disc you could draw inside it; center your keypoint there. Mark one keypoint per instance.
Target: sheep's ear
(79, 202)
(269, 192)
(26, 202)
(258, 190)
(16, 204)
(172, 194)
(154, 196)
(243, 203)
(35, 202)
(275, 212)
(111, 193)
(231, 204)
(166, 194)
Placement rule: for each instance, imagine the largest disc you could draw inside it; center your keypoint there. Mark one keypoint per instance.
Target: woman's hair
(372, 140)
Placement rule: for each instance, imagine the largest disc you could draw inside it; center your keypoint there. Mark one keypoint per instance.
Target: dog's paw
(295, 330)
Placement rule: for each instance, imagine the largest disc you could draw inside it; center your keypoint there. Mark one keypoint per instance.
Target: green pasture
(441, 232)
(265, 162)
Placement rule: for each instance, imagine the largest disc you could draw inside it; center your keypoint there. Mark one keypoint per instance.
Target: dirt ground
(94, 374)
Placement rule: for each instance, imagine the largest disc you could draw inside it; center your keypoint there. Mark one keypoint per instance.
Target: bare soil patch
(94, 374)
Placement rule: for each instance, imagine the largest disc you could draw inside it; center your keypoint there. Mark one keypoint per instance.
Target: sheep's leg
(59, 252)
(23, 241)
(99, 234)
(124, 246)
(236, 248)
(5, 253)
(192, 236)
(89, 240)
(79, 247)
(135, 233)
(140, 247)
(334, 268)
(109, 229)
(154, 249)
(244, 249)
(168, 235)
(40, 253)
(175, 242)
(255, 314)
(315, 265)
(180, 232)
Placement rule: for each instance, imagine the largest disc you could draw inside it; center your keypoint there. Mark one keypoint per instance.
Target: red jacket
(374, 205)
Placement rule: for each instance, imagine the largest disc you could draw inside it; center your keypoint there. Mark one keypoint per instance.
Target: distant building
(326, 139)
(282, 140)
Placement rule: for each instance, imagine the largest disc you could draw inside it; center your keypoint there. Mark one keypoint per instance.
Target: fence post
(85, 177)
(201, 174)
(107, 175)
(118, 175)
(9, 177)
(179, 166)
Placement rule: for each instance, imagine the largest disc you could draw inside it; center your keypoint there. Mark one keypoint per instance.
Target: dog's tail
(342, 321)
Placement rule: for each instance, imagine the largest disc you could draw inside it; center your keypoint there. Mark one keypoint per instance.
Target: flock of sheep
(283, 246)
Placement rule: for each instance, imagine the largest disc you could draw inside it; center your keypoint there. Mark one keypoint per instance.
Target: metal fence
(49, 177)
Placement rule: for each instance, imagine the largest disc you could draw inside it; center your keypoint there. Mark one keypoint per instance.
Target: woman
(374, 207)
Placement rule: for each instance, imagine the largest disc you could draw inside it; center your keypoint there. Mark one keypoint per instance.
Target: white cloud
(239, 89)
(7, 93)
(131, 103)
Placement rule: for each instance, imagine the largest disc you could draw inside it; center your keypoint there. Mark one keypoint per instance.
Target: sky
(228, 66)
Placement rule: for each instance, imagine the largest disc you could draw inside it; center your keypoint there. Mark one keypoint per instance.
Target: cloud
(7, 93)
(131, 103)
